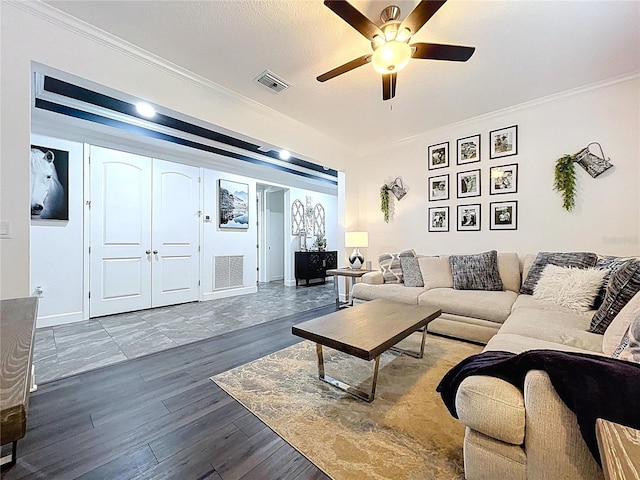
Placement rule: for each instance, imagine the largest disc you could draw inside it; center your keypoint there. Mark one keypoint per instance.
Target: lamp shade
(356, 239)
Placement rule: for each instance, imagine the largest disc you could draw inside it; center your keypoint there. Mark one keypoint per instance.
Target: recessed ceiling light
(145, 109)
(285, 154)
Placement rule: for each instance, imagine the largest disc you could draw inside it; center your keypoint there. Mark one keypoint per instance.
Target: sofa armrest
(553, 442)
(492, 407)
(373, 278)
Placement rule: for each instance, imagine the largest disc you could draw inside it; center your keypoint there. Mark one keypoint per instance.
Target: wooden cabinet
(314, 265)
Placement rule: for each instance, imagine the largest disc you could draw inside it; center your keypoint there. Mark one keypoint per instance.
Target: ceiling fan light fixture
(391, 57)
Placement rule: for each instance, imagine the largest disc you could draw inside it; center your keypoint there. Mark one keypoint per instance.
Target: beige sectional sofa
(468, 314)
(510, 434)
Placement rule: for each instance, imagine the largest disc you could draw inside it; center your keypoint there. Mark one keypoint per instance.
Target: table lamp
(356, 240)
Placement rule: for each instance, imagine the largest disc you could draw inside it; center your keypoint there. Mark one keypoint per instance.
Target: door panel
(120, 268)
(176, 233)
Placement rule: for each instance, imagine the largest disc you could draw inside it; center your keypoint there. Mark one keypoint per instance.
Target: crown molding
(510, 110)
(79, 27)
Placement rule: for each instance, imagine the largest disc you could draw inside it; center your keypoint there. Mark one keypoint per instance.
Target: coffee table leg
(419, 354)
(345, 387)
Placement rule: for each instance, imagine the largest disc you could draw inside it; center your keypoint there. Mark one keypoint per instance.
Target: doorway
(271, 234)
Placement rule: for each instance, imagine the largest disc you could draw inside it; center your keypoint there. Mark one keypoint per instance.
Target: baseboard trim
(231, 292)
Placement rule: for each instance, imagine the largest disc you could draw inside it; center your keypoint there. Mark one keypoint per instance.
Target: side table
(619, 448)
(351, 274)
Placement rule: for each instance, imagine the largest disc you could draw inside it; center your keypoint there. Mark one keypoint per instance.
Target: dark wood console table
(314, 265)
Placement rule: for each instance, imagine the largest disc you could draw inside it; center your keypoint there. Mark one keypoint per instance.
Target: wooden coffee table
(366, 331)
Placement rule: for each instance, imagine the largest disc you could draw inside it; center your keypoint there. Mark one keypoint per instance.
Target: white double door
(144, 232)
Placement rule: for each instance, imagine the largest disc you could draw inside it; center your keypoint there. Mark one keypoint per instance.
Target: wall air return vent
(228, 271)
(272, 81)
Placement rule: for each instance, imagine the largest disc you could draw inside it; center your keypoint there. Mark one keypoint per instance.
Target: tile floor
(69, 349)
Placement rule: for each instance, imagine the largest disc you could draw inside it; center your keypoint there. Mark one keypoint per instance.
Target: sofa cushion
(394, 291)
(476, 272)
(391, 267)
(510, 342)
(623, 285)
(619, 326)
(492, 406)
(564, 259)
(436, 272)
(528, 302)
(562, 327)
(509, 269)
(571, 287)
(486, 305)
(412, 276)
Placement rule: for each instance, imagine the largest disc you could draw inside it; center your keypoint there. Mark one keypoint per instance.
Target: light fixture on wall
(284, 154)
(356, 240)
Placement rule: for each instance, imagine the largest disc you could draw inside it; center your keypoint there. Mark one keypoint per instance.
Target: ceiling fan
(390, 41)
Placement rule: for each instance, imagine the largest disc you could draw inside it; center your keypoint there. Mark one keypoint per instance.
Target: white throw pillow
(618, 327)
(436, 272)
(570, 287)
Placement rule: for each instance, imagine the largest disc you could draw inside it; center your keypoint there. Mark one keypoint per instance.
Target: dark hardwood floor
(160, 416)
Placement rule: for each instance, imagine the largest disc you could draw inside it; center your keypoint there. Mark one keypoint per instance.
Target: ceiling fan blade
(421, 15)
(353, 17)
(436, 51)
(389, 81)
(358, 62)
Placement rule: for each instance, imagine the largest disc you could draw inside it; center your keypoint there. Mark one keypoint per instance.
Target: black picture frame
(438, 156)
(503, 215)
(439, 219)
(439, 188)
(468, 150)
(503, 142)
(469, 218)
(468, 183)
(503, 179)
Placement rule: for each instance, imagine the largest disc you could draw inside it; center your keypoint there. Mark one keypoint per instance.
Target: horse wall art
(49, 182)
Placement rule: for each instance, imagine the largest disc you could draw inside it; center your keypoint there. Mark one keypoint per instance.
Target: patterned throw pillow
(619, 326)
(568, 259)
(412, 276)
(391, 267)
(570, 287)
(629, 348)
(611, 264)
(623, 285)
(476, 272)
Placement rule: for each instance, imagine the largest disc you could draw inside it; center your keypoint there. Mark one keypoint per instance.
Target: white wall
(605, 220)
(57, 249)
(218, 241)
(66, 45)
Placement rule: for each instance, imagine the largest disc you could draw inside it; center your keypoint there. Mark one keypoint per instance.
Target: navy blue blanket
(591, 386)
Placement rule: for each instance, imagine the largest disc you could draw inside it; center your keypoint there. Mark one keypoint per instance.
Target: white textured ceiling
(524, 50)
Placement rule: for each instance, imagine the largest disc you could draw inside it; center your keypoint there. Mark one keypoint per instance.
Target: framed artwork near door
(49, 183)
(233, 205)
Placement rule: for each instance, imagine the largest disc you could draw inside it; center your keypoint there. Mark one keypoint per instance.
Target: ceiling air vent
(272, 81)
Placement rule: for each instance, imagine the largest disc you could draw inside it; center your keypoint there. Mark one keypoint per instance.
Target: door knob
(155, 252)
(148, 252)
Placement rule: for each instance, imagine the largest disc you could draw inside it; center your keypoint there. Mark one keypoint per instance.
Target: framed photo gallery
(466, 182)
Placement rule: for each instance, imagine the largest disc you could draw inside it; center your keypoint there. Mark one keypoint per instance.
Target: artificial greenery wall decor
(385, 207)
(565, 181)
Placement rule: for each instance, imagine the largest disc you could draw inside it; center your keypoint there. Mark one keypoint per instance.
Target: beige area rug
(405, 433)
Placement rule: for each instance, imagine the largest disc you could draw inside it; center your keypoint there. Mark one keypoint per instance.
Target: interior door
(120, 258)
(176, 233)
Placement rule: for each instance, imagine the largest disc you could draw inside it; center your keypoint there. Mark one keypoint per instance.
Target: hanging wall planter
(385, 207)
(565, 181)
(565, 172)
